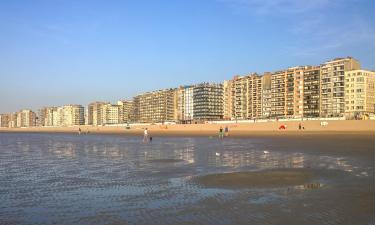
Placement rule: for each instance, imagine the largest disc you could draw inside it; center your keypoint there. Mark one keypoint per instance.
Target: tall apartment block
(41, 117)
(156, 106)
(247, 96)
(311, 92)
(360, 93)
(332, 83)
(287, 92)
(94, 113)
(208, 101)
(110, 114)
(26, 118)
(71, 115)
(185, 106)
(298, 91)
(228, 99)
(239, 97)
(12, 120)
(266, 95)
(278, 94)
(126, 111)
(4, 120)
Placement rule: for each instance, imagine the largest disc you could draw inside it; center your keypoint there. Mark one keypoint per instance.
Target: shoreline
(235, 129)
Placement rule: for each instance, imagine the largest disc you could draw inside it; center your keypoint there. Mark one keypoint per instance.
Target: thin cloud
(281, 6)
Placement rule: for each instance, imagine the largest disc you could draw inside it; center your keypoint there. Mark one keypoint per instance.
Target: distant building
(41, 117)
(311, 93)
(332, 84)
(360, 93)
(94, 113)
(298, 91)
(25, 118)
(110, 114)
(208, 102)
(185, 104)
(266, 95)
(287, 91)
(157, 106)
(13, 120)
(126, 111)
(228, 99)
(70, 115)
(278, 94)
(4, 120)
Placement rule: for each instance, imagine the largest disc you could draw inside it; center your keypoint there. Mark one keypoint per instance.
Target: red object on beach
(282, 127)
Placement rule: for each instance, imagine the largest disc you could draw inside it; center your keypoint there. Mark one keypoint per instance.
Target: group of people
(223, 132)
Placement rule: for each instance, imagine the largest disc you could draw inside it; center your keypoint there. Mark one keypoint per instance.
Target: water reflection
(67, 179)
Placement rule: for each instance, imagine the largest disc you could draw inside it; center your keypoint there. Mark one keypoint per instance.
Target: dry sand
(235, 129)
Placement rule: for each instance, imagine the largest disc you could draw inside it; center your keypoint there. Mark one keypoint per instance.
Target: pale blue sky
(56, 52)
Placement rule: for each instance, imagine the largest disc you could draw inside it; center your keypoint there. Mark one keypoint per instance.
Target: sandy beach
(235, 129)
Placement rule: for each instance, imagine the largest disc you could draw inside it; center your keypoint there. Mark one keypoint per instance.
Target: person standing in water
(226, 130)
(145, 135)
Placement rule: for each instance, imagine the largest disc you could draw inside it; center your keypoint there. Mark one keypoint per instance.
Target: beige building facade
(156, 107)
(94, 113)
(311, 92)
(332, 83)
(359, 94)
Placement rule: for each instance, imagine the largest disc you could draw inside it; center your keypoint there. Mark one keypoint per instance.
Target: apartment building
(228, 100)
(157, 106)
(298, 91)
(4, 120)
(332, 84)
(254, 96)
(359, 93)
(110, 114)
(311, 92)
(287, 92)
(70, 115)
(240, 97)
(185, 104)
(208, 102)
(94, 113)
(126, 111)
(25, 118)
(278, 94)
(266, 95)
(13, 120)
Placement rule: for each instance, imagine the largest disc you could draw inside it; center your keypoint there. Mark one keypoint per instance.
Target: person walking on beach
(226, 130)
(299, 126)
(221, 133)
(79, 131)
(145, 135)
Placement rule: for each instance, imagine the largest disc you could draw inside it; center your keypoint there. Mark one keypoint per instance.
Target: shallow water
(109, 179)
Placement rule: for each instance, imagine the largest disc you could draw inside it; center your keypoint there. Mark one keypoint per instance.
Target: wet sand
(56, 178)
(257, 179)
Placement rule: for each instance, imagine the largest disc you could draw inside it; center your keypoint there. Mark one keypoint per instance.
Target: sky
(56, 52)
